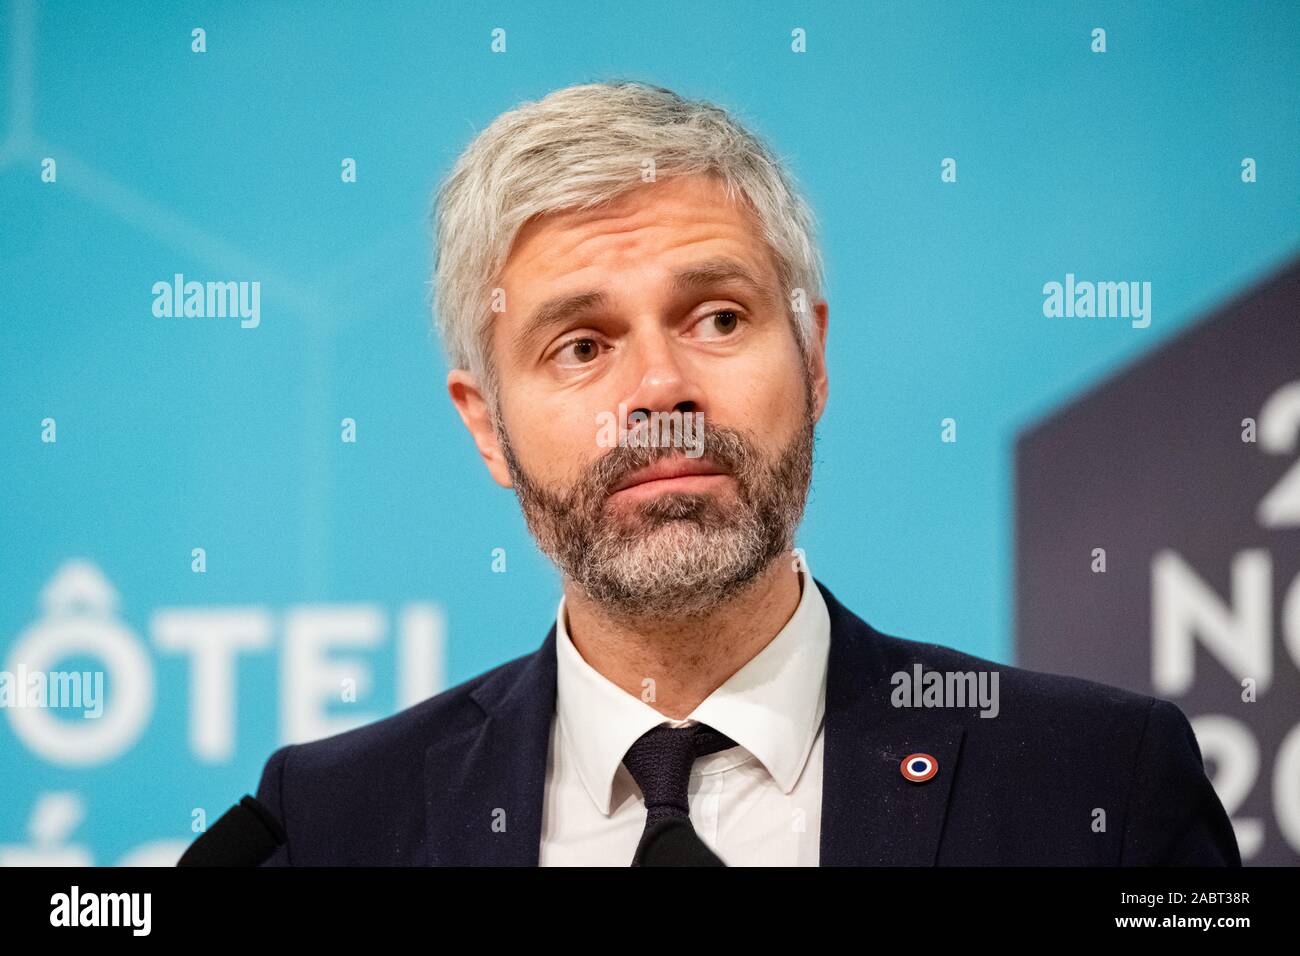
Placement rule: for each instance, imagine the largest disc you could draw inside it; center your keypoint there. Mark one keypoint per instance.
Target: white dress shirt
(755, 804)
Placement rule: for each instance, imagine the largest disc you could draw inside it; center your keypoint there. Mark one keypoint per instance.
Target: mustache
(723, 448)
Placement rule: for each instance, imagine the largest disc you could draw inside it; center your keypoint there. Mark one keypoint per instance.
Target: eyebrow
(557, 311)
(697, 277)
(717, 271)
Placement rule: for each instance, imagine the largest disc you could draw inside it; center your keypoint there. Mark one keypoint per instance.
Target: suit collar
(485, 781)
(871, 814)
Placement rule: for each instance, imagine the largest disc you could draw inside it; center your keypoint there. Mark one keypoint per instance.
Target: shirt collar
(772, 706)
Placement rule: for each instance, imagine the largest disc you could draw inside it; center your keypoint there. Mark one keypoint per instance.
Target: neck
(687, 659)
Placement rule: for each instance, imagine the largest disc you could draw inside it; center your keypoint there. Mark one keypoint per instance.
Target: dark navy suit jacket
(458, 779)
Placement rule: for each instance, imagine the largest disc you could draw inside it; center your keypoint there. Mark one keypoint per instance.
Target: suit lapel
(871, 814)
(484, 784)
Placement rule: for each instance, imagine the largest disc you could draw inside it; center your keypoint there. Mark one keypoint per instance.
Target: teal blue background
(181, 433)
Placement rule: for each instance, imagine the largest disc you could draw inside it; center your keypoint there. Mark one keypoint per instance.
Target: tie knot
(660, 762)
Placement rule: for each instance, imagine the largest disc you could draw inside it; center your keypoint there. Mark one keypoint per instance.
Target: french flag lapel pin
(918, 768)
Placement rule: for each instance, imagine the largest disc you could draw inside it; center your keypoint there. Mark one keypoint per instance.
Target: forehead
(666, 222)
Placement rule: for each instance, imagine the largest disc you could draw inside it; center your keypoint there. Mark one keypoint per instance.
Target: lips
(668, 468)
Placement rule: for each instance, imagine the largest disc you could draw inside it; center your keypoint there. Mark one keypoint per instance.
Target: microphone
(245, 835)
(674, 842)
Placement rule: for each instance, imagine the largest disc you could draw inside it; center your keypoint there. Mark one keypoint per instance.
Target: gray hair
(582, 146)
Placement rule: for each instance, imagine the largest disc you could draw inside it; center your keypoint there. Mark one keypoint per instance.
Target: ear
(473, 408)
(817, 357)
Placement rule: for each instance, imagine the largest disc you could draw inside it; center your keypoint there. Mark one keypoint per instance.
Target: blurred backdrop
(182, 510)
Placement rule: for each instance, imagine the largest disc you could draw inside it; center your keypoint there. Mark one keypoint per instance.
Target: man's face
(667, 300)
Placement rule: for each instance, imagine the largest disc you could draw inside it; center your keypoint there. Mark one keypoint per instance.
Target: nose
(664, 380)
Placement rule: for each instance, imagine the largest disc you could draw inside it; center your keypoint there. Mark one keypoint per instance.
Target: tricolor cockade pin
(919, 768)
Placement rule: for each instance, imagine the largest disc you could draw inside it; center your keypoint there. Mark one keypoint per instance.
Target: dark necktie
(660, 762)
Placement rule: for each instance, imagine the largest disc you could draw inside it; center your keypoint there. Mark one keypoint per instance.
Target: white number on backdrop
(1279, 424)
(1230, 747)
(1239, 635)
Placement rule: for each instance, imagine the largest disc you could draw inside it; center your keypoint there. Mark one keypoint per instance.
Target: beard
(678, 554)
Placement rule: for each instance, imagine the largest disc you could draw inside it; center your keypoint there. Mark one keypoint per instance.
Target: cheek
(555, 439)
(763, 395)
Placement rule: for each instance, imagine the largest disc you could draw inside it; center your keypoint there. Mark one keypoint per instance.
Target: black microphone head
(674, 842)
(245, 835)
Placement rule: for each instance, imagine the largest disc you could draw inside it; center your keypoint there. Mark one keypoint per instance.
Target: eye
(577, 352)
(724, 322)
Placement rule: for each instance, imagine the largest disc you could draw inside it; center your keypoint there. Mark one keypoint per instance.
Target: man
(613, 260)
